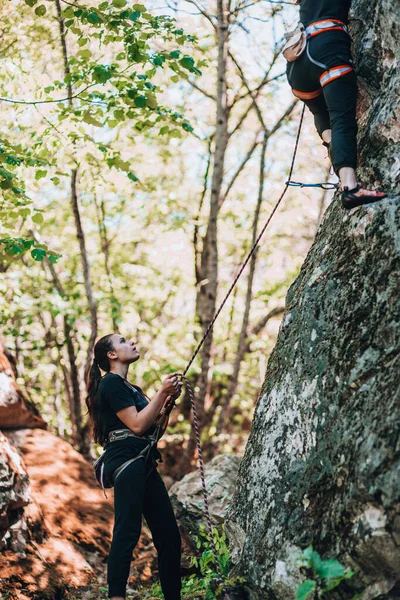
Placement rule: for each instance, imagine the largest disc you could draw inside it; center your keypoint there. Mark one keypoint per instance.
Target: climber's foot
(358, 196)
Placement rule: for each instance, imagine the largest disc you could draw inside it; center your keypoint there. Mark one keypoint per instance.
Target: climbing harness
(318, 27)
(334, 73)
(297, 40)
(114, 436)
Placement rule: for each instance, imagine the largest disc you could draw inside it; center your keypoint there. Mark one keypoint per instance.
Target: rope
(203, 480)
(183, 377)
(250, 254)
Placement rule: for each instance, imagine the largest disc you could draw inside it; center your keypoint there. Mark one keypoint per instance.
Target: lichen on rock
(322, 461)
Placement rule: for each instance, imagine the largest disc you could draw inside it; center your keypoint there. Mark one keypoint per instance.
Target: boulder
(321, 465)
(187, 497)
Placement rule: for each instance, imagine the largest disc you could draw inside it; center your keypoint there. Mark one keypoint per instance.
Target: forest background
(141, 148)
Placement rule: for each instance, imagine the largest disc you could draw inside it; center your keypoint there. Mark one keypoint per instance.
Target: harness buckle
(118, 434)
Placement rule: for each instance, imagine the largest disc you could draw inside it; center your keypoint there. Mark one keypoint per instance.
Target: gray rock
(14, 496)
(187, 495)
(322, 461)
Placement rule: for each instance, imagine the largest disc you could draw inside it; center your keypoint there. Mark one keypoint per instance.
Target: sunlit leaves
(18, 246)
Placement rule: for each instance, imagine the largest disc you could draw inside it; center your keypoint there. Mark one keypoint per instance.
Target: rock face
(14, 496)
(187, 497)
(322, 461)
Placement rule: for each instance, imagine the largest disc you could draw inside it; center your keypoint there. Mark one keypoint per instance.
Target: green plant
(199, 585)
(323, 575)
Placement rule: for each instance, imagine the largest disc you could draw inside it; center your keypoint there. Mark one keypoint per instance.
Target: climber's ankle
(348, 179)
(327, 136)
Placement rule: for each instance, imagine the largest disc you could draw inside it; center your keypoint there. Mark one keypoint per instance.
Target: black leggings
(137, 493)
(335, 107)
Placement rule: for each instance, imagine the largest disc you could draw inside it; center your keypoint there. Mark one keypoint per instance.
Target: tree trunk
(207, 294)
(105, 248)
(76, 211)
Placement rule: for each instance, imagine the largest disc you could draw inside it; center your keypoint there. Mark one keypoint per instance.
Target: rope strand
(250, 254)
(183, 377)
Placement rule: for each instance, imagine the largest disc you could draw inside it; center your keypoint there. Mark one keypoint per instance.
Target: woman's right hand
(171, 386)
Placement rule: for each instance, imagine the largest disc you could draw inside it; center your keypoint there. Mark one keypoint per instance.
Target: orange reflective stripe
(334, 73)
(306, 95)
(323, 30)
(327, 25)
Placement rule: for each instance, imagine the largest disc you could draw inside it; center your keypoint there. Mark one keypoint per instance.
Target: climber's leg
(340, 93)
(303, 78)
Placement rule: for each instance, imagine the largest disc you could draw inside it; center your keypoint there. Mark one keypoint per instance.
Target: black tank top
(315, 10)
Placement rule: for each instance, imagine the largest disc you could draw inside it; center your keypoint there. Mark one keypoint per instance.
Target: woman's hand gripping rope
(172, 385)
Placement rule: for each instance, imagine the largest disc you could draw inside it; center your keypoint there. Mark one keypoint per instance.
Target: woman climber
(122, 419)
(323, 77)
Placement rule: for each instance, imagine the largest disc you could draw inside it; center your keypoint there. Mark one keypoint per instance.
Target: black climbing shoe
(358, 196)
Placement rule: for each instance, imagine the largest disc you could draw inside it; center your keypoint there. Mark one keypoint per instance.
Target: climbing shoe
(358, 196)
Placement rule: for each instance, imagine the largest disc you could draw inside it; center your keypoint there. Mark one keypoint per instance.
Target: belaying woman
(122, 418)
(323, 77)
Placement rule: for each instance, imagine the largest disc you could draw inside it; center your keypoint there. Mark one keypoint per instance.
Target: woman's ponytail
(101, 360)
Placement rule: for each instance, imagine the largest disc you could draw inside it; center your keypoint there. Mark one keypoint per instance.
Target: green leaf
(15, 249)
(38, 254)
(40, 173)
(305, 589)
(119, 3)
(31, 3)
(175, 54)
(330, 569)
(85, 53)
(151, 100)
(55, 180)
(94, 19)
(101, 73)
(41, 10)
(103, 5)
(175, 133)
(140, 101)
(68, 13)
(187, 62)
(158, 60)
(37, 218)
(139, 8)
(132, 176)
(164, 130)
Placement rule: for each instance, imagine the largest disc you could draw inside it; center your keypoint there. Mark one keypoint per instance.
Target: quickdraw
(325, 185)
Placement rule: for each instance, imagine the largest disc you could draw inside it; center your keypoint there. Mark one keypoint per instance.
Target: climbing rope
(253, 249)
(203, 480)
(183, 377)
